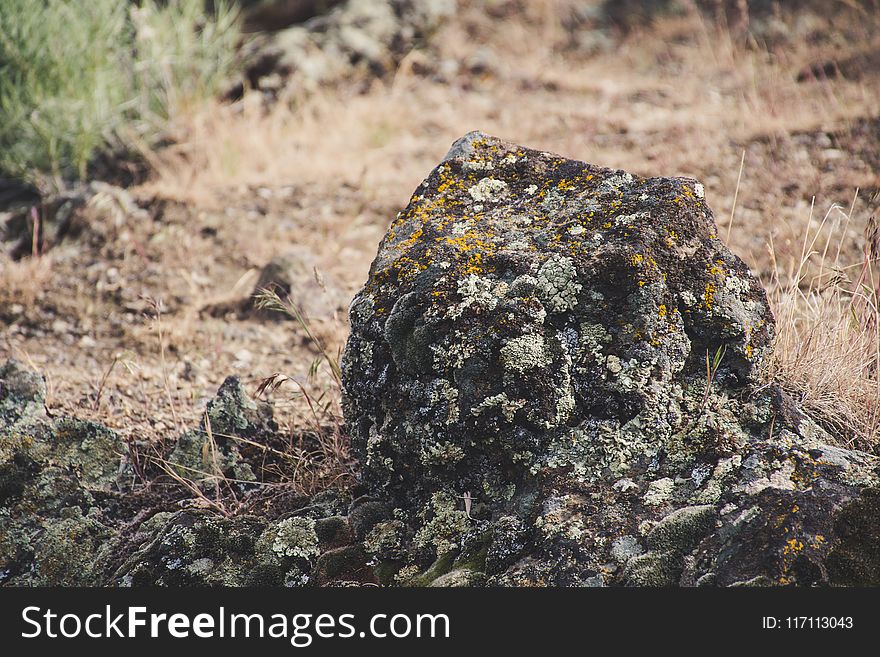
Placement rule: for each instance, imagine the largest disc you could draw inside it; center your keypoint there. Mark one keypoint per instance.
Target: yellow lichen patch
(661, 311)
(806, 474)
(474, 264)
(448, 182)
(709, 295)
(474, 249)
(793, 546)
(407, 268)
(413, 238)
(467, 241)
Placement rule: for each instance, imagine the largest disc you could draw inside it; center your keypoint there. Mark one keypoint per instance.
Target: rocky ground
(134, 303)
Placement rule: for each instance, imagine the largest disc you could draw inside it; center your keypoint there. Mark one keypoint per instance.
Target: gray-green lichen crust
(530, 351)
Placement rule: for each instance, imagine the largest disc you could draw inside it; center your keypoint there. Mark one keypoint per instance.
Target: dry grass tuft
(828, 323)
(23, 282)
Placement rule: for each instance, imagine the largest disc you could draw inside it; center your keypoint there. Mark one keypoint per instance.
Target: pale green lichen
(488, 189)
(453, 354)
(441, 453)
(565, 404)
(659, 492)
(476, 291)
(557, 284)
(445, 393)
(614, 183)
(366, 352)
(525, 353)
(500, 401)
(446, 526)
(561, 517)
(625, 548)
(374, 455)
(612, 364)
(385, 540)
(592, 339)
(295, 537)
(575, 449)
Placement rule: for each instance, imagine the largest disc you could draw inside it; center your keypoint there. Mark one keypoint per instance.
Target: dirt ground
(784, 133)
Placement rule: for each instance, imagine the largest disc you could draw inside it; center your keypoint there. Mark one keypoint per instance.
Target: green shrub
(79, 77)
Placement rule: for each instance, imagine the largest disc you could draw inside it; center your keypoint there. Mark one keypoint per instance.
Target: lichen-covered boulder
(526, 312)
(550, 360)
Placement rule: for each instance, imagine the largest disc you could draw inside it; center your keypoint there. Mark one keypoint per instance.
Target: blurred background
(161, 161)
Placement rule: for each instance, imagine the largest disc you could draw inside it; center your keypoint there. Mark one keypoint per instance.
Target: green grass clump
(80, 77)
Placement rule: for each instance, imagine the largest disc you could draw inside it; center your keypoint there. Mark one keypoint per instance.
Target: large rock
(552, 378)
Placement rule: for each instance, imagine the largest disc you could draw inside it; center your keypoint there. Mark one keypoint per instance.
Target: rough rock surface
(310, 545)
(553, 377)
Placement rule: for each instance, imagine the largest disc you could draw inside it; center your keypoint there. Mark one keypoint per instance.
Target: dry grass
(828, 345)
(24, 282)
(705, 92)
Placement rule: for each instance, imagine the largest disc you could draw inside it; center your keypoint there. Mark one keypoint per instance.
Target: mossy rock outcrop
(72, 514)
(526, 386)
